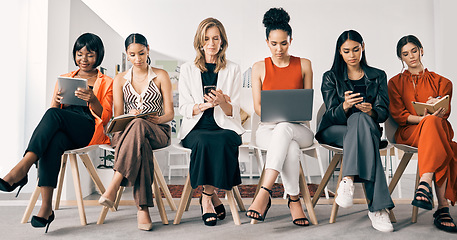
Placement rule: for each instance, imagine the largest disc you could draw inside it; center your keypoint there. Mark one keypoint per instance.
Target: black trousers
(59, 130)
(360, 141)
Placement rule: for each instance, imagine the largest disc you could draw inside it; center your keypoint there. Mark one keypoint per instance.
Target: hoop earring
(202, 49)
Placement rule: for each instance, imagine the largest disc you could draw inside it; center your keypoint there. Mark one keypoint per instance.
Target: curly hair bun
(275, 16)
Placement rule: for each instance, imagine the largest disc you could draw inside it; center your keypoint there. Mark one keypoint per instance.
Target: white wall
(316, 26)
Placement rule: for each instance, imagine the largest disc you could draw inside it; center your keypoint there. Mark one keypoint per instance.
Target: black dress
(214, 157)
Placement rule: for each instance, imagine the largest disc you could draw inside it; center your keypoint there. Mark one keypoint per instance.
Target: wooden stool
(83, 155)
(232, 196)
(159, 181)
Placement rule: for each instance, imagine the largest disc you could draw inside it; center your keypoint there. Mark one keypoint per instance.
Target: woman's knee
(432, 121)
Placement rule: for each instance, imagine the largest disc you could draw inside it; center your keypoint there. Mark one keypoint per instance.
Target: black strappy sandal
(261, 217)
(208, 215)
(220, 211)
(442, 216)
(421, 192)
(295, 221)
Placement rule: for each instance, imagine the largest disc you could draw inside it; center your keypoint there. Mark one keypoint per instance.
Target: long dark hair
(137, 38)
(93, 43)
(277, 18)
(339, 65)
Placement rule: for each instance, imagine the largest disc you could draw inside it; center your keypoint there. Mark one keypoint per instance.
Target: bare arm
(118, 95)
(257, 76)
(307, 73)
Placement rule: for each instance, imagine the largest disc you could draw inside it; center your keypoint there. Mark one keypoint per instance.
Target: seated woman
(211, 119)
(431, 133)
(283, 140)
(351, 121)
(65, 127)
(141, 89)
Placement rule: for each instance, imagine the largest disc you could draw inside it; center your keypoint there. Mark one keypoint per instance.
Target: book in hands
(120, 122)
(431, 108)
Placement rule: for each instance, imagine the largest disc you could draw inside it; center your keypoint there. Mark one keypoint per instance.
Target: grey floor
(351, 223)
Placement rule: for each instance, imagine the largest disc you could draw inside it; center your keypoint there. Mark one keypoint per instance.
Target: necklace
(87, 78)
(359, 76)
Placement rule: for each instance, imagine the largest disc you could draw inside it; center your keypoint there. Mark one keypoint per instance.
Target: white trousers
(283, 142)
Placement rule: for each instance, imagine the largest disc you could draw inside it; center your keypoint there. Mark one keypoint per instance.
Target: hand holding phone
(208, 89)
(362, 90)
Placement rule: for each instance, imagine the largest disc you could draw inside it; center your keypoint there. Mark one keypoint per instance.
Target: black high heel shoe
(295, 221)
(208, 215)
(6, 187)
(220, 211)
(39, 222)
(261, 217)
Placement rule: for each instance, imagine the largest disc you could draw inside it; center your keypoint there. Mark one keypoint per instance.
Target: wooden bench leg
(307, 197)
(158, 197)
(416, 209)
(78, 192)
(186, 194)
(398, 173)
(92, 172)
(233, 209)
(331, 168)
(189, 199)
(335, 206)
(163, 184)
(31, 205)
(237, 195)
(63, 167)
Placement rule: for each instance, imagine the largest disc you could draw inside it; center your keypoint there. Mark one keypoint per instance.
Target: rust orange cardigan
(103, 90)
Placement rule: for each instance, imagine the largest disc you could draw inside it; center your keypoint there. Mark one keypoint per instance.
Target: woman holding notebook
(282, 140)
(141, 89)
(209, 101)
(430, 132)
(65, 127)
(356, 101)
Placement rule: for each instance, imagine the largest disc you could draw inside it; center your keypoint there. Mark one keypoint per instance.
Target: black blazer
(333, 93)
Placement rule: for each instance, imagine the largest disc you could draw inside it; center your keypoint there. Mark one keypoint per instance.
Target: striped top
(277, 78)
(148, 101)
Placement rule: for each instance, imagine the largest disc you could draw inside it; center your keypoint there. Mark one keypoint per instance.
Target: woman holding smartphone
(431, 132)
(141, 89)
(211, 124)
(352, 122)
(283, 140)
(65, 127)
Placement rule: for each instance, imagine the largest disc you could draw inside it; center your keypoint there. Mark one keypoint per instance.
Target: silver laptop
(294, 105)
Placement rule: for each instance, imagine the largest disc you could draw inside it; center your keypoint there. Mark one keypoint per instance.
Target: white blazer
(191, 93)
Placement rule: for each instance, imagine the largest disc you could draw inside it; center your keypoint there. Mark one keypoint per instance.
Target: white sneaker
(380, 221)
(345, 193)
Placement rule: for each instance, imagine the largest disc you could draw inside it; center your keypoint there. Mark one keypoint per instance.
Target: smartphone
(362, 89)
(207, 89)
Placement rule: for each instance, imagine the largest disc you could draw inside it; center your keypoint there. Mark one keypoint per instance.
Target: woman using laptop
(141, 89)
(283, 140)
(356, 101)
(65, 127)
(209, 101)
(431, 132)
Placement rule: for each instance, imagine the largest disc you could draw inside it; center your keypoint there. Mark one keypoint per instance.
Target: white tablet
(67, 87)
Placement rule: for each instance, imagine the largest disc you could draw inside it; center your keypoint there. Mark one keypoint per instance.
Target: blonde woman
(211, 119)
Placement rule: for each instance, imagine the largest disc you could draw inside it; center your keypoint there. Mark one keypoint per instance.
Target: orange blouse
(103, 90)
(277, 78)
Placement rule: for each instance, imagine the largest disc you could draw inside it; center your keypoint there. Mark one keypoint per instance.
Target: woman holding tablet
(283, 140)
(211, 124)
(431, 132)
(66, 127)
(141, 89)
(351, 121)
